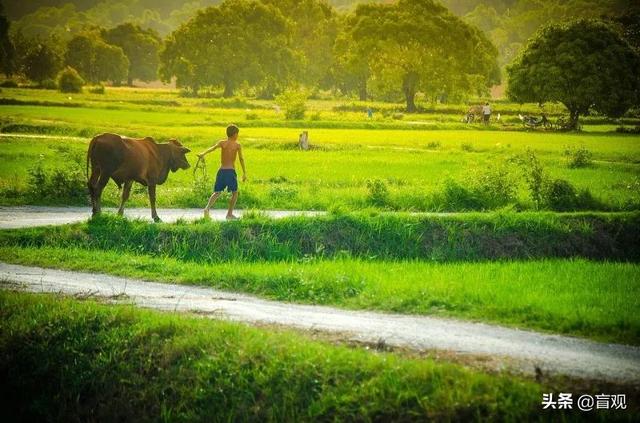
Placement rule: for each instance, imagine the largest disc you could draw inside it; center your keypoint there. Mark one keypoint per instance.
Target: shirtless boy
(227, 177)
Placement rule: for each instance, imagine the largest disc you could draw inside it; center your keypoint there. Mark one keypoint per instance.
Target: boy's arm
(209, 150)
(241, 157)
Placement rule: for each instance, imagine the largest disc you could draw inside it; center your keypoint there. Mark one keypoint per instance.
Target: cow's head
(178, 159)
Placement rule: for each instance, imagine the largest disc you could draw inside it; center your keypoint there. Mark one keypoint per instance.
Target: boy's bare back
(228, 153)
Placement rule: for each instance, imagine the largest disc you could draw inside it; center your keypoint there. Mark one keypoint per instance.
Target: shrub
(465, 146)
(69, 81)
(252, 116)
(433, 145)
(61, 185)
(98, 89)
(378, 193)
(316, 116)
(534, 176)
(398, 116)
(458, 197)
(578, 157)
(560, 195)
(49, 84)
(9, 83)
(493, 187)
(294, 103)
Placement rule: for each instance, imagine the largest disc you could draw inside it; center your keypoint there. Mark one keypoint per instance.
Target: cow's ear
(185, 150)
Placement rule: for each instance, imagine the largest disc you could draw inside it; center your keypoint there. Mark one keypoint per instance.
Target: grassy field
(507, 260)
(355, 262)
(419, 163)
(124, 364)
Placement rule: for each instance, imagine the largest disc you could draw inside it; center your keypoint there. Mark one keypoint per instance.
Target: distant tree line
(381, 50)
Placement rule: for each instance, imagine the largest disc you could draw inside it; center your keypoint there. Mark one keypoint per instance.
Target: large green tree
(141, 46)
(314, 26)
(583, 64)
(7, 49)
(95, 60)
(418, 45)
(236, 42)
(41, 61)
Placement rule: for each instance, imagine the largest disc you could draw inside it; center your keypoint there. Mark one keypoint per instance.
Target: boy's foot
(206, 214)
(231, 217)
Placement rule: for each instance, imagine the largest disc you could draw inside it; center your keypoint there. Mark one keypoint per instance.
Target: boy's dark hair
(232, 130)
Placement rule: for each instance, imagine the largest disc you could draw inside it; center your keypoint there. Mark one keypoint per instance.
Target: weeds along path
(525, 350)
(33, 216)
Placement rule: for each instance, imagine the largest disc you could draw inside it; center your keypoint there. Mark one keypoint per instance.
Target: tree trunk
(362, 92)
(130, 81)
(574, 115)
(409, 86)
(228, 90)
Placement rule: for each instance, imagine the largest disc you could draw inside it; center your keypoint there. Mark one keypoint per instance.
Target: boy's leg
(232, 204)
(212, 201)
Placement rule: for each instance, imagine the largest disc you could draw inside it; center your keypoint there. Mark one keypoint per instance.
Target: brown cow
(127, 160)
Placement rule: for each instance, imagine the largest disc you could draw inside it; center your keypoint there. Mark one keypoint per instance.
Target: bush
(578, 157)
(98, 89)
(9, 83)
(433, 145)
(398, 116)
(62, 185)
(560, 195)
(466, 146)
(378, 193)
(493, 187)
(49, 84)
(458, 197)
(252, 116)
(534, 176)
(69, 81)
(294, 103)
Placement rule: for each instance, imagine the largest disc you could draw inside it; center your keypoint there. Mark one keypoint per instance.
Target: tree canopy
(141, 46)
(95, 60)
(238, 41)
(417, 45)
(584, 65)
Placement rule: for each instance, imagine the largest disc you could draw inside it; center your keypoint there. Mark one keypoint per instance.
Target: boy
(227, 177)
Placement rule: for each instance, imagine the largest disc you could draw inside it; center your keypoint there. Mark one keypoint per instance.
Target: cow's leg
(152, 200)
(91, 184)
(126, 190)
(99, 187)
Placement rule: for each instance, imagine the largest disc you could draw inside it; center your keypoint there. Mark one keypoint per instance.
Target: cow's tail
(89, 151)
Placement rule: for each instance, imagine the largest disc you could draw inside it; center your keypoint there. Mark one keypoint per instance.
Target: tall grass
(576, 297)
(63, 360)
(385, 236)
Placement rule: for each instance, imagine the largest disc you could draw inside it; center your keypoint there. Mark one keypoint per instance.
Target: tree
(351, 71)
(41, 62)
(141, 46)
(111, 64)
(417, 45)
(7, 49)
(584, 65)
(314, 26)
(95, 60)
(238, 41)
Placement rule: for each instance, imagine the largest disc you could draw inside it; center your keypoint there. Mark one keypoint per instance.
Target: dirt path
(30, 216)
(525, 349)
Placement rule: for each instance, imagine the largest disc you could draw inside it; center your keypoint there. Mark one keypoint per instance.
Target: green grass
(464, 237)
(575, 297)
(413, 158)
(66, 360)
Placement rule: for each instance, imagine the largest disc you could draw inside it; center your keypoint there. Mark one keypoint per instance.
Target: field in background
(510, 262)
(415, 157)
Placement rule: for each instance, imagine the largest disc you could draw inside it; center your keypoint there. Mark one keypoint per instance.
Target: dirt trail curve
(526, 349)
(30, 216)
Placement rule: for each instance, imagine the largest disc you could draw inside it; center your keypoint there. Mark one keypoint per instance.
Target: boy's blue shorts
(226, 178)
